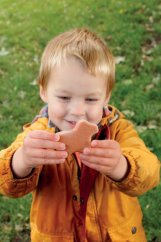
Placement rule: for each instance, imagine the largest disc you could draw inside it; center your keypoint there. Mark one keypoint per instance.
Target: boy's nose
(77, 108)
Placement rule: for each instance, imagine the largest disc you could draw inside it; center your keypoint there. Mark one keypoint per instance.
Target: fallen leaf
(156, 80)
(128, 113)
(127, 81)
(152, 124)
(33, 83)
(149, 87)
(141, 128)
(119, 59)
(147, 206)
(36, 59)
(22, 94)
(3, 52)
(5, 103)
(18, 227)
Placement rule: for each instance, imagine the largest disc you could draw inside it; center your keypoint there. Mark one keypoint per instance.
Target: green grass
(131, 29)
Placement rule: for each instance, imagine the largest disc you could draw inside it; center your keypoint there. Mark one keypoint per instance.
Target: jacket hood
(112, 115)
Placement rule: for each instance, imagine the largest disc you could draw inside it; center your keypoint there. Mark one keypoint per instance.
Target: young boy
(90, 196)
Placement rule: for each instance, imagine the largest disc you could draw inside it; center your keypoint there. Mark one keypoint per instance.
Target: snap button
(74, 197)
(82, 201)
(133, 230)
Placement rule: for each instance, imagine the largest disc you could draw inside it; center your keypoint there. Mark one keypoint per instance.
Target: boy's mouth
(73, 123)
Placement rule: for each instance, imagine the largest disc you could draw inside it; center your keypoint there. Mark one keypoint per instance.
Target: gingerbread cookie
(79, 137)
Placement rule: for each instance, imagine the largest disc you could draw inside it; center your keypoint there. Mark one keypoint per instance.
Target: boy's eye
(64, 98)
(91, 99)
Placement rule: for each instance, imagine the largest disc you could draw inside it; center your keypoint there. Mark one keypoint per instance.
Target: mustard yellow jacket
(110, 213)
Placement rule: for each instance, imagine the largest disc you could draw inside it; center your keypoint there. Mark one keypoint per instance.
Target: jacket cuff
(16, 187)
(129, 184)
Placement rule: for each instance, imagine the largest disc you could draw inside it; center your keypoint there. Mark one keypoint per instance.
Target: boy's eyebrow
(62, 91)
(67, 92)
(94, 93)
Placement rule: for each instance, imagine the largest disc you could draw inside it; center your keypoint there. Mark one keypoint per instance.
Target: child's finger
(104, 144)
(99, 167)
(43, 143)
(47, 161)
(99, 152)
(47, 154)
(43, 134)
(97, 160)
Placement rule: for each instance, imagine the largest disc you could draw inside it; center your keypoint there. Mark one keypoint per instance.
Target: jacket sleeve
(144, 166)
(9, 185)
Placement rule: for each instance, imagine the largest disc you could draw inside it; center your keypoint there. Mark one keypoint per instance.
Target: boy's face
(73, 94)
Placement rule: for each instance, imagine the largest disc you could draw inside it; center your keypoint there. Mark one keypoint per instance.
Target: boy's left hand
(105, 156)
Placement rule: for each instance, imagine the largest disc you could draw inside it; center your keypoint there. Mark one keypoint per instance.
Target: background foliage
(131, 29)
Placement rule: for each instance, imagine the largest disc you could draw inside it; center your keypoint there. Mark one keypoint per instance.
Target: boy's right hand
(40, 147)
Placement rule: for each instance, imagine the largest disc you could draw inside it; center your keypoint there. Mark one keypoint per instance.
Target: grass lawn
(131, 29)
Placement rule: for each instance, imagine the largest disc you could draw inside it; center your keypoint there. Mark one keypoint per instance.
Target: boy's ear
(43, 94)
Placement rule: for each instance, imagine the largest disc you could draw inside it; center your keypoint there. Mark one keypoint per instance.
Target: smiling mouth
(73, 123)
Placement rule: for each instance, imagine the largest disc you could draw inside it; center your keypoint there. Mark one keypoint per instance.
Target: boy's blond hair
(85, 46)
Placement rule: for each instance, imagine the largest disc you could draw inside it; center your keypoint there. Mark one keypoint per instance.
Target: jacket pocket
(129, 231)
